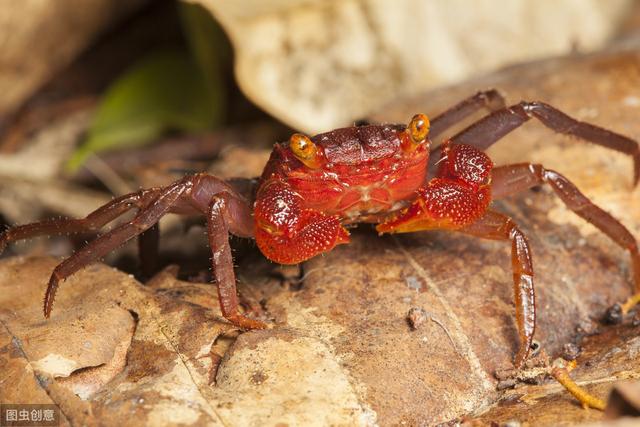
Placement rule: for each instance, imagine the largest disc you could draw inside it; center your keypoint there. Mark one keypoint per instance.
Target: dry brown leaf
(101, 316)
(171, 361)
(39, 38)
(31, 181)
(607, 359)
(17, 379)
(318, 65)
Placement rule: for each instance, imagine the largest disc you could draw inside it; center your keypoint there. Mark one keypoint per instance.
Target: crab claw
(441, 204)
(289, 234)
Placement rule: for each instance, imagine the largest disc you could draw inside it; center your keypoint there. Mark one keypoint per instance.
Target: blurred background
(102, 97)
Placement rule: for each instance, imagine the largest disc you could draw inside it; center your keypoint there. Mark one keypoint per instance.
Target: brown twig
(561, 374)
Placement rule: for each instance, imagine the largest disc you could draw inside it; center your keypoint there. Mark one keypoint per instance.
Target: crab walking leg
(92, 222)
(107, 242)
(222, 261)
(496, 226)
(515, 178)
(488, 130)
(490, 99)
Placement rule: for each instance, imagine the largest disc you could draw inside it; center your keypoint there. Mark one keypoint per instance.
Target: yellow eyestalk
(419, 128)
(305, 150)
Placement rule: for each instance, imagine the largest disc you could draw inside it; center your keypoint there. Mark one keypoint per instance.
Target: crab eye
(304, 149)
(302, 146)
(419, 128)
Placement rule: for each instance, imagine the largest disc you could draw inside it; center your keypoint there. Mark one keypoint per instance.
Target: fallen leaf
(101, 316)
(28, 58)
(625, 397)
(607, 363)
(27, 192)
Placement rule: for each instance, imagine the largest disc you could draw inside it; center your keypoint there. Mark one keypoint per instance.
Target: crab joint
(418, 130)
(305, 150)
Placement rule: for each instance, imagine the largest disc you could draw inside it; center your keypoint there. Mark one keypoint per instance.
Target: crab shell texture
(357, 174)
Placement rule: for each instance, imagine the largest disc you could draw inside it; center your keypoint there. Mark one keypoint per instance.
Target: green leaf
(208, 45)
(163, 91)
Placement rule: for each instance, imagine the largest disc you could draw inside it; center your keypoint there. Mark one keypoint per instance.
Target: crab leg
(424, 215)
(488, 130)
(515, 178)
(490, 99)
(496, 226)
(107, 242)
(222, 261)
(94, 221)
(457, 199)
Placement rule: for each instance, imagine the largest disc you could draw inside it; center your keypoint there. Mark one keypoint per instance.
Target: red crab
(313, 189)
